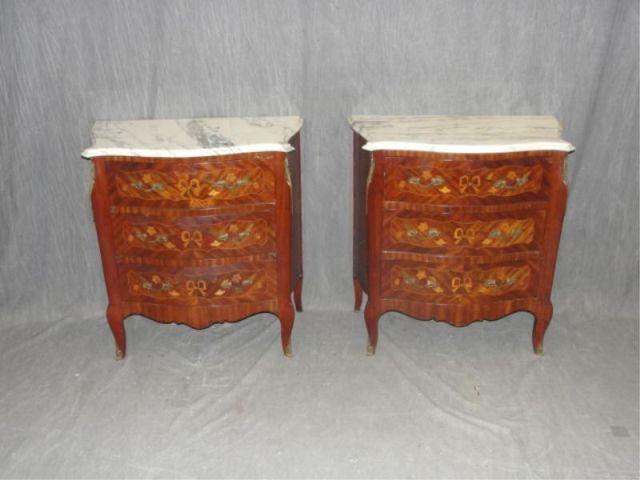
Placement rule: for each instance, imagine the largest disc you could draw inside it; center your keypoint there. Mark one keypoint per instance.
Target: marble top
(192, 137)
(460, 134)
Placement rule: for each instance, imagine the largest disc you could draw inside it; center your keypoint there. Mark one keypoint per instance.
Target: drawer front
(196, 185)
(194, 237)
(449, 284)
(439, 183)
(238, 283)
(463, 234)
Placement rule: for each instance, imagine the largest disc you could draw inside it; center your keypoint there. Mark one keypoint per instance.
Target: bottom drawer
(222, 285)
(455, 283)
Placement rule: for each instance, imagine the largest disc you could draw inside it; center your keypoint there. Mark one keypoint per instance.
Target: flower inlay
(431, 233)
(189, 290)
(463, 181)
(471, 283)
(223, 235)
(197, 187)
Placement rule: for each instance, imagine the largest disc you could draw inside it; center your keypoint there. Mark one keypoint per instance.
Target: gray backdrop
(434, 401)
(65, 64)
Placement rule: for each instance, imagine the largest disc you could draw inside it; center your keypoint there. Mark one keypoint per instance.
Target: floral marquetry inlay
(221, 235)
(193, 291)
(239, 234)
(153, 237)
(197, 188)
(430, 233)
(471, 283)
(480, 182)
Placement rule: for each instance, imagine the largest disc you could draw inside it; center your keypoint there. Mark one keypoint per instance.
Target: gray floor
(436, 401)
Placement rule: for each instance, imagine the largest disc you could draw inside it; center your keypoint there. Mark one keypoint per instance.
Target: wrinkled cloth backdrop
(67, 64)
(223, 401)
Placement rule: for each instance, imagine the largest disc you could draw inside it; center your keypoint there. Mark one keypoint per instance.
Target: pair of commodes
(455, 218)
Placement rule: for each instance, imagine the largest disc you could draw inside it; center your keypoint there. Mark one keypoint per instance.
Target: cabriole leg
(115, 318)
(371, 317)
(286, 316)
(542, 319)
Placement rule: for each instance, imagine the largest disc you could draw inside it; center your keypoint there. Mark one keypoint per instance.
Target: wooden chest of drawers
(457, 219)
(199, 221)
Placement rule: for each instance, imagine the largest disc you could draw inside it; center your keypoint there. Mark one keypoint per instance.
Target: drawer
(463, 233)
(225, 285)
(454, 284)
(181, 184)
(194, 237)
(439, 182)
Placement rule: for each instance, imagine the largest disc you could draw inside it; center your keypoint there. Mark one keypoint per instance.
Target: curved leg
(357, 289)
(543, 317)
(371, 317)
(286, 316)
(115, 318)
(297, 295)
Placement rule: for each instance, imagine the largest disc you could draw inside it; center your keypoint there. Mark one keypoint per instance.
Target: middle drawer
(462, 233)
(194, 237)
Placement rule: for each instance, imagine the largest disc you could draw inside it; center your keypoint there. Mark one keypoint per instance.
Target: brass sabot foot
(370, 350)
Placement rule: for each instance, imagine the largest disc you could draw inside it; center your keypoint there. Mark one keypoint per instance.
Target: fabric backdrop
(65, 64)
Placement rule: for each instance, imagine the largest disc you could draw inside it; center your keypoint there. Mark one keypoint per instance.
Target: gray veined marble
(460, 134)
(194, 137)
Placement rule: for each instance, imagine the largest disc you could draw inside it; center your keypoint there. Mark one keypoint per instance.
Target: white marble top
(460, 134)
(192, 137)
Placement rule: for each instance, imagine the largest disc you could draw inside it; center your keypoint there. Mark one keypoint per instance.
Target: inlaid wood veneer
(457, 219)
(199, 220)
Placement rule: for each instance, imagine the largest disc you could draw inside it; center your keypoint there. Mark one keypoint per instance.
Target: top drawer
(463, 182)
(191, 184)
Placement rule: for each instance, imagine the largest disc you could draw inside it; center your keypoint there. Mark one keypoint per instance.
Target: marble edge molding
(91, 152)
(185, 153)
(469, 148)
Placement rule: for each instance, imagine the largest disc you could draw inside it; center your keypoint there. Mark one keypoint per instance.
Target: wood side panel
(295, 169)
(286, 312)
(374, 211)
(104, 229)
(558, 193)
(361, 169)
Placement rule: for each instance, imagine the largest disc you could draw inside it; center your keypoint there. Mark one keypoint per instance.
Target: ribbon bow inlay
(457, 282)
(187, 237)
(459, 234)
(466, 182)
(189, 187)
(199, 286)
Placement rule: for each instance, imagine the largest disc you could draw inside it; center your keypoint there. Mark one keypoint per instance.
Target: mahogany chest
(199, 220)
(457, 219)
